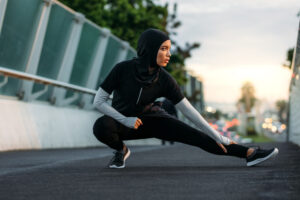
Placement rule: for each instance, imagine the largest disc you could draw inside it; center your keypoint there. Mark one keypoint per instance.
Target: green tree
(289, 58)
(126, 19)
(179, 54)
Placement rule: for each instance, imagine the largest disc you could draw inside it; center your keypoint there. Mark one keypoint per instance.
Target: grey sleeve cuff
(100, 102)
(193, 115)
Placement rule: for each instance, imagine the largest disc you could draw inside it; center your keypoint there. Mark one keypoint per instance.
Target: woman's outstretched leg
(112, 133)
(168, 128)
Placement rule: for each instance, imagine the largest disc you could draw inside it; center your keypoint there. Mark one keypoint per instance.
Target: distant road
(158, 172)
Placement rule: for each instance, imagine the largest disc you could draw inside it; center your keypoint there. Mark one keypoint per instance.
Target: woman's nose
(169, 54)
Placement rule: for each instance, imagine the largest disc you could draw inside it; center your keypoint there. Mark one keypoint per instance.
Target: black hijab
(148, 46)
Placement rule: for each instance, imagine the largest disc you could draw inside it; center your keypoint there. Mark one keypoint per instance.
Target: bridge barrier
(294, 96)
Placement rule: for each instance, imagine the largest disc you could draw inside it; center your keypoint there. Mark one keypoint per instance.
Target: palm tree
(248, 96)
(281, 106)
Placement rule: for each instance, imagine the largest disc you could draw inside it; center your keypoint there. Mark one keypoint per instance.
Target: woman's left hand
(232, 142)
(222, 147)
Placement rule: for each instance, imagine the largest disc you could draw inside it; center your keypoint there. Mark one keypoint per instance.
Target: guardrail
(22, 75)
(57, 46)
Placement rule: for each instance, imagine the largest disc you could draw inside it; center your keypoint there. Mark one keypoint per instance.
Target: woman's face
(163, 54)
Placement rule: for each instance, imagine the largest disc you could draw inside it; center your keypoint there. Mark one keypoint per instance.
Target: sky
(241, 40)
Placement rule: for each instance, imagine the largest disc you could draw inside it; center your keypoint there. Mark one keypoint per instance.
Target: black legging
(165, 127)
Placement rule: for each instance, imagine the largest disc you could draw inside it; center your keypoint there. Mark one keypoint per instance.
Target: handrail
(43, 80)
(64, 6)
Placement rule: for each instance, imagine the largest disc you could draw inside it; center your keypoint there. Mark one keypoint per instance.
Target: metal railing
(45, 81)
(38, 79)
(58, 47)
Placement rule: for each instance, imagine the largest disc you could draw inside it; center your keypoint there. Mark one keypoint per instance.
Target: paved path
(160, 172)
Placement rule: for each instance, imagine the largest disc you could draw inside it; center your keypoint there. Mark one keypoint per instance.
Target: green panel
(19, 26)
(55, 43)
(130, 55)
(110, 57)
(84, 56)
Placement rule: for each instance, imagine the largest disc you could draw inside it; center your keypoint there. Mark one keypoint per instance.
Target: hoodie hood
(148, 46)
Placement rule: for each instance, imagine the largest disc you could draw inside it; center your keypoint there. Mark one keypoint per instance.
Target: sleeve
(172, 90)
(193, 115)
(100, 102)
(111, 82)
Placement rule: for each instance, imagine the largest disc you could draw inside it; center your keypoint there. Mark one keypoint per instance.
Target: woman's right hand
(138, 122)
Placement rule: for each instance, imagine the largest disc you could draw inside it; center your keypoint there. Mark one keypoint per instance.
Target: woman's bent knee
(103, 126)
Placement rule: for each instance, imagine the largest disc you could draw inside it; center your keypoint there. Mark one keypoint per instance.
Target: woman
(136, 84)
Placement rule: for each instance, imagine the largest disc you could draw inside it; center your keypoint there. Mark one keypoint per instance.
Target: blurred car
(222, 127)
(273, 126)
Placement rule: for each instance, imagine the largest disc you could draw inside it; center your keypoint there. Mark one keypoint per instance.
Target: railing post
(65, 70)
(98, 59)
(34, 57)
(3, 4)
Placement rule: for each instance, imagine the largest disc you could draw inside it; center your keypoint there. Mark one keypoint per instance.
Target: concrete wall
(294, 121)
(294, 114)
(38, 125)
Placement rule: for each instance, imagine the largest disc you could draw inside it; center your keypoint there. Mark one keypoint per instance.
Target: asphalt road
(159, 172)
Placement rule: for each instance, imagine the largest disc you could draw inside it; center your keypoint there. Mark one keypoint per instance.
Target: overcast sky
(241, 40)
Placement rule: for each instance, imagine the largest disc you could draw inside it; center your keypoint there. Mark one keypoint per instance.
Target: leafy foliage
(126, 19)
(176, 66)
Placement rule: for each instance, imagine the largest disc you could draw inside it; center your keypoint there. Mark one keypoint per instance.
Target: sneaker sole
(116, 167)
(123, 166)
(257, 161)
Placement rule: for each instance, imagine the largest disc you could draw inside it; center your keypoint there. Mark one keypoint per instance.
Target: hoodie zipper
(139, 95)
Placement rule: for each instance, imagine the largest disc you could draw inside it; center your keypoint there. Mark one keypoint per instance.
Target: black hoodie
(148, 46)
(134, 88)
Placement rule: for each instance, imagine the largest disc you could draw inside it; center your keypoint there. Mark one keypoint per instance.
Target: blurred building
(294, 97)
(195, 87)
(193, 91)
(250, 123)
